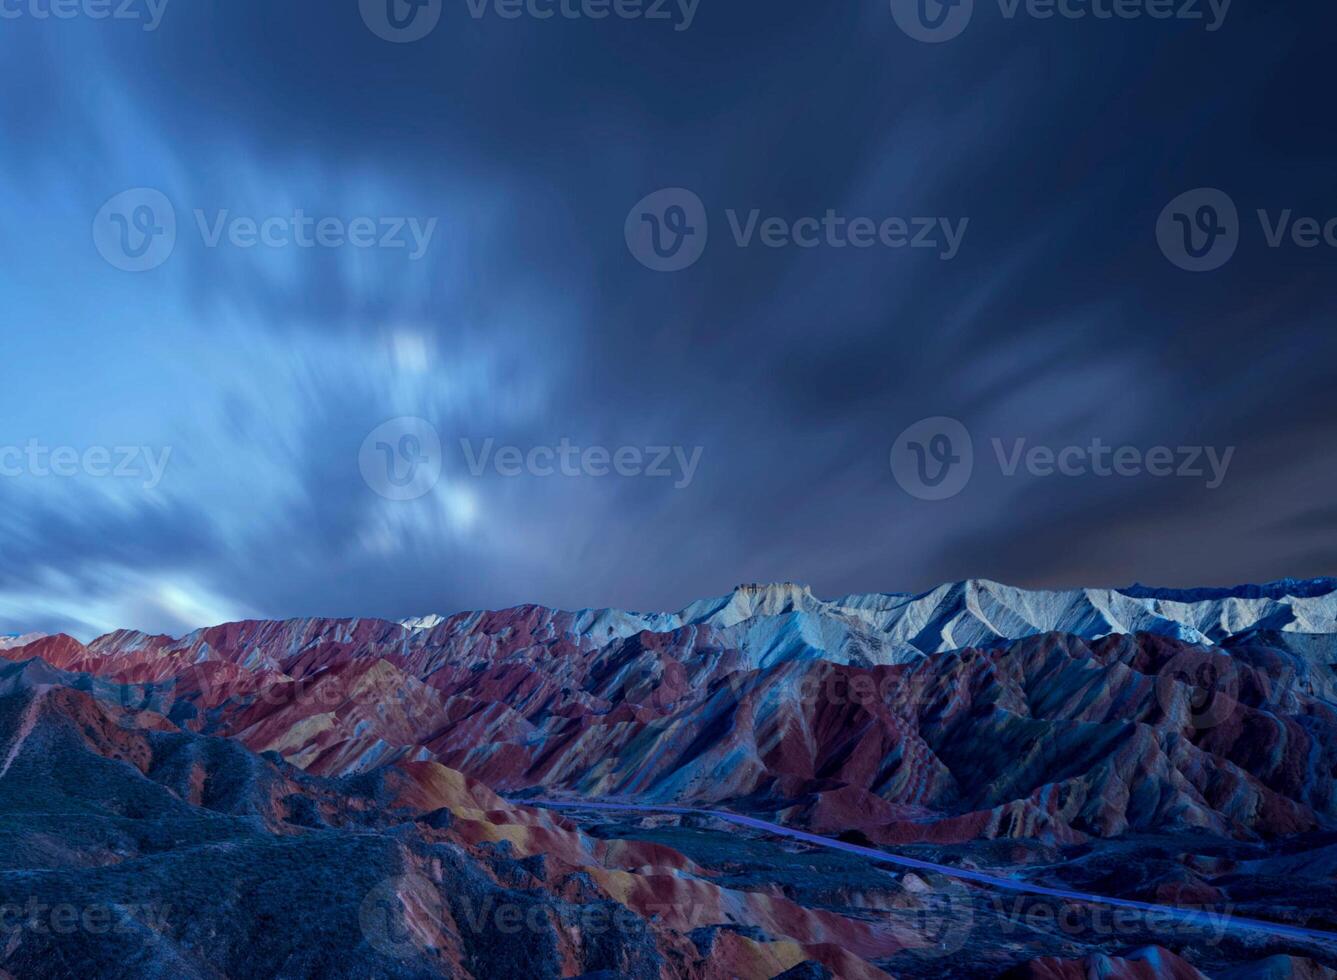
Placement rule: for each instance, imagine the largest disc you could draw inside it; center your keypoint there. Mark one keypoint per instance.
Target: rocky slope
(742, 701)
(1169, 747)
(133, 849)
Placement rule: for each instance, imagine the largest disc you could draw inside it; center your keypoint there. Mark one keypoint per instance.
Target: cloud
(527, 321)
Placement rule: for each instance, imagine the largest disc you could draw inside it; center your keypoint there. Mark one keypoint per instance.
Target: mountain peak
(766, 589)
(774, 599)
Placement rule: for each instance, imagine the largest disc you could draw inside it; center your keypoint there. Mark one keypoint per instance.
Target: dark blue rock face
(1308, 588)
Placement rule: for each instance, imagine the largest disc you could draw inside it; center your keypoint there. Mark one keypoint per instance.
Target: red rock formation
(1052, 737)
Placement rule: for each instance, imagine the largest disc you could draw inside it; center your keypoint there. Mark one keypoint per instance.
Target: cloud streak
(526, 321)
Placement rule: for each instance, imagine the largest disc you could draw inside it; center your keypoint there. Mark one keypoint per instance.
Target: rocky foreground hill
(265, 778)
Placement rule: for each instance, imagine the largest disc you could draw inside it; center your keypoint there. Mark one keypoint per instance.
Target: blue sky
(527, 320)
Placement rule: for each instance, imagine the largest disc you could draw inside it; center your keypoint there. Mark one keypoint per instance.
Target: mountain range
(1166, 746)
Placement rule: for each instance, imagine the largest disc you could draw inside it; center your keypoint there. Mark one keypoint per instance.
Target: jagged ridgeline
(1187, 739)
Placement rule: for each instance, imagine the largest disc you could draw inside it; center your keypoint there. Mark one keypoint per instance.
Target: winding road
(1191, 917)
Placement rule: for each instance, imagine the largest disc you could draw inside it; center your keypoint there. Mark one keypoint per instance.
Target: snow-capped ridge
(418, 624)
(770, 623)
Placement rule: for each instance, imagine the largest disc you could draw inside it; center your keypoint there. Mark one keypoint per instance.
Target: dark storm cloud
(794, 370)
(40, 536)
